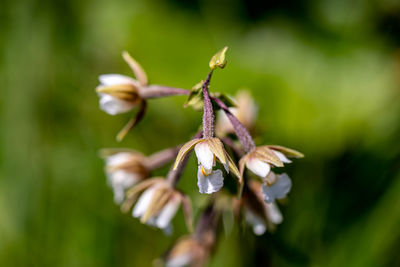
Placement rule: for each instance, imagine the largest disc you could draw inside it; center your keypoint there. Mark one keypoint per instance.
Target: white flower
(162, 218)
(113, 105)
(158, 204)
(260, 159)
(207, 151)
(278, 190)
(210, 183)
(262, 168)
(120, 93)
(123, 169)
(120, 181)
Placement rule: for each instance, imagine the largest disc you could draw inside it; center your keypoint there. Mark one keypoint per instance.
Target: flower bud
(218, 60)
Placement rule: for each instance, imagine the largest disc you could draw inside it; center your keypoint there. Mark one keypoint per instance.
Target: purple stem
(161, 158)
(156, 91)
(243, 135)
(208, 114)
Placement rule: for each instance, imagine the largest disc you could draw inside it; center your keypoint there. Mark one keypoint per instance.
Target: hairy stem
(243, 135)
(161, 158)
(208, 114)
(156, 91)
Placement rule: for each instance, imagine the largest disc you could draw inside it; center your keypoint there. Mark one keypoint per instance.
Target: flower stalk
(161, 158)
(208, 114)
(242, 133)
(157, 91)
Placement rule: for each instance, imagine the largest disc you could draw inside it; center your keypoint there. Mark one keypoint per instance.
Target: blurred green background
(325, 75)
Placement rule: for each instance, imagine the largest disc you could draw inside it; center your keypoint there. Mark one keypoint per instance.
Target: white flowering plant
(225, 140)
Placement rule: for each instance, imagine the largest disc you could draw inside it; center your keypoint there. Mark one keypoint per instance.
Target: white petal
(143, 202)
(180, 260)
(204, 155)
(281, 156)
(122, 178)
(167, 213)
(278, 190)
(119, 194)
(256, 222)
(113, 105)
(259, 167)
(118, 158)
(211, 183)
(273, 213)
(120, 181)
(114, 79)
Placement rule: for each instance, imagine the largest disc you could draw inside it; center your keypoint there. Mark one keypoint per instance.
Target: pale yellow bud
(218, 60)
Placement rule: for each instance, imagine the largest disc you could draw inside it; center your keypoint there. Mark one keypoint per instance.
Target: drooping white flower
(261, 159)
(146, 203)
(278, 190)
(210, 183)
(207, 151)
(120, 181)
(123, 170)
(158, 204)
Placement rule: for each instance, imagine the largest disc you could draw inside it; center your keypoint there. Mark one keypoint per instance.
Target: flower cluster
(224, 149)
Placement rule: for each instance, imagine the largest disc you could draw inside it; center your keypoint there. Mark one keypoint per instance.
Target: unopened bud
(218, 60)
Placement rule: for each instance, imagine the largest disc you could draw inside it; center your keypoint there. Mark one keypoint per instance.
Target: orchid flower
(158, 203)
(207, 151)
(119, 93)
(260, 159)
(124, 169)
